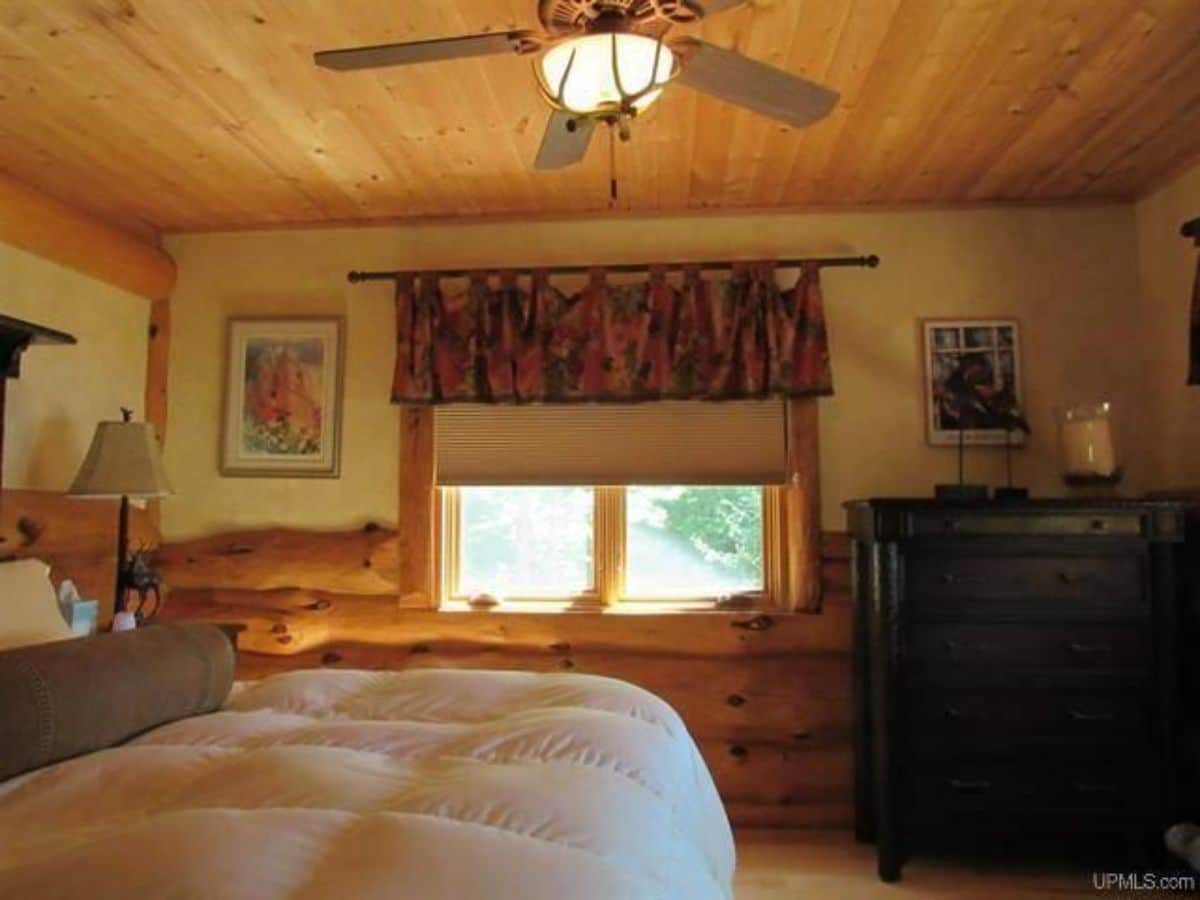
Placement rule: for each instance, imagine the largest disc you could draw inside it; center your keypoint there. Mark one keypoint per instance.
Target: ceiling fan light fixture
(602, 75)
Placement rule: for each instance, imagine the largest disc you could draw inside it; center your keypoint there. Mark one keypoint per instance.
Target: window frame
(609, 538)
(448, 556)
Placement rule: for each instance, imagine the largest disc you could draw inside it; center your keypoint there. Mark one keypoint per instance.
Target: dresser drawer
(950, 586)
(944, 523)
(1070, 646)
(985, 786)
(939, 718)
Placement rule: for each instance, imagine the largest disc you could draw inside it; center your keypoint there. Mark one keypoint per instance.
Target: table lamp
(122, 462)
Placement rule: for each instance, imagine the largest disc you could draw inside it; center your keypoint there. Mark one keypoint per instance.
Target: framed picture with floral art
(972, 381)
(282, 410)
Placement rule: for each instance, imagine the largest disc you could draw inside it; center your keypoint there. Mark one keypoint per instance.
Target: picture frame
(972, 377)
(281, 415)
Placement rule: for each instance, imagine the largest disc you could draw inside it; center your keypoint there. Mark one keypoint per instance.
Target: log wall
(765, 694)
(78, 538)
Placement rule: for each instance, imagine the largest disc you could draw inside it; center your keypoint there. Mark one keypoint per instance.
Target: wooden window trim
(417, 511)
(609, 552)
(428, 544)
(609, 544)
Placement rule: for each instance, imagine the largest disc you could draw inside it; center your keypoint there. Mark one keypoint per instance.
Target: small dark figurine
(138, 576)
(1012, 419)
(972, 401)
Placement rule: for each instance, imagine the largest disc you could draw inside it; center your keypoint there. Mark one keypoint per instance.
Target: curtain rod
(830, 262)
(1191, 229)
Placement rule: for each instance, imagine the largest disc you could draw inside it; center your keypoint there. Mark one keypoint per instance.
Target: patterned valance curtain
(498, 342)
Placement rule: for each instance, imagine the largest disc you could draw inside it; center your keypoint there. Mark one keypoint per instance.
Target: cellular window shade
(667, 442)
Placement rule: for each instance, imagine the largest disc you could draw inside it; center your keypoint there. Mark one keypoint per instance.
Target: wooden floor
(803, 864)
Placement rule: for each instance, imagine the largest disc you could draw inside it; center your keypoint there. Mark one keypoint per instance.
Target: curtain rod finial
(872, 261)
(354, 277)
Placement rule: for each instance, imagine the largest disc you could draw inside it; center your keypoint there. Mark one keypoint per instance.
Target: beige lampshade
(122, 461)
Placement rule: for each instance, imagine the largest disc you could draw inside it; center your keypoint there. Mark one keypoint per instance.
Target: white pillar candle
(1087, 448)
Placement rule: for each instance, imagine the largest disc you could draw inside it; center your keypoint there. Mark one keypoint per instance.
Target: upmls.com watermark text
(1142, 881)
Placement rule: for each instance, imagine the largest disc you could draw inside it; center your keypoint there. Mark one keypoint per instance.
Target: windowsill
(627, 608)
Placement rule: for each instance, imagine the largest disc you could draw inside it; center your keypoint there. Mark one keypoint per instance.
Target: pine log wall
(766, 695)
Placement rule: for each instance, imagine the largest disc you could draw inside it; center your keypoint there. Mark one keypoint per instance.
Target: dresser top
(1038, 505)
(894, 518)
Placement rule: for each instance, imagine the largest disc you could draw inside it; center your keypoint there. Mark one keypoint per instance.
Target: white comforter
(423, 785)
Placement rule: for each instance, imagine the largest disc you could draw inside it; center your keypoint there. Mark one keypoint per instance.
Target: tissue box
(81, 616)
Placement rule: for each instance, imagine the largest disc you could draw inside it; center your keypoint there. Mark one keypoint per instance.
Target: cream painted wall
(63, 391)
(1068, 275)
(1167, 265)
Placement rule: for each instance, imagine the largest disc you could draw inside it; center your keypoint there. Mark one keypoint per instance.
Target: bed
(422, 784)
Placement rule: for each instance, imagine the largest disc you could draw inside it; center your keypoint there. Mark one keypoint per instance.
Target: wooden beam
(803, 506)
(415, 544)
(365, 562)
(157, 362)
(289, 624)
(362, 561)
(50, 229)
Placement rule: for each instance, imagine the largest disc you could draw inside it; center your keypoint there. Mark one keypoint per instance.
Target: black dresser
(1014, 669)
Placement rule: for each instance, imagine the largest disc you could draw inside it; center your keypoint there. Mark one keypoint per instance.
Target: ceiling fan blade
(756, 86)
(424, 51)
(562, 145)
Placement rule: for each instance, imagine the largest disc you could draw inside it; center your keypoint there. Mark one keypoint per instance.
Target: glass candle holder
(1087, 451)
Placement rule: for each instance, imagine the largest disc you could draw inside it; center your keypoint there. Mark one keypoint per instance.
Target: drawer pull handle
(970, 786)
(1089, 649)
(1077, 715)
(953, 713)
(1099, 525)
(948, 578)
(1093, 787)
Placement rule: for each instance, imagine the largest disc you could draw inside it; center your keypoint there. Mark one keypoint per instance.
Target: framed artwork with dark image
(282, 408)
(972, 381)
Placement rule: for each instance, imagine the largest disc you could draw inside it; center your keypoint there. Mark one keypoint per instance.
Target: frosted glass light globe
(598, 80)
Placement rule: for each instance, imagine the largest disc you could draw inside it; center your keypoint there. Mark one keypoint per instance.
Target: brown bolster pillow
(65, 698)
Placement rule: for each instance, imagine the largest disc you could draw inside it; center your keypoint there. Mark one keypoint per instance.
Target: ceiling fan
(607, 61)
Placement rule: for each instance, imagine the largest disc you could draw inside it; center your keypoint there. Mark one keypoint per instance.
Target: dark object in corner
(71, 697)
(15, 336)
(1015, 672)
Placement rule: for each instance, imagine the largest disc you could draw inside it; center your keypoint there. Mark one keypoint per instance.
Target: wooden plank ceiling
(195, 114)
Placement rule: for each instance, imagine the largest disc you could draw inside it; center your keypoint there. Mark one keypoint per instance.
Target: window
(525, 541)
(693, 541)
(645, 543)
